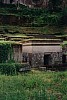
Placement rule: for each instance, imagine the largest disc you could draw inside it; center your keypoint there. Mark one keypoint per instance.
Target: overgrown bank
(34, 86)
(26, 16)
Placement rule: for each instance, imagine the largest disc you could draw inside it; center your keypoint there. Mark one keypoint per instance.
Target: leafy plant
(11, 68)
(4, 52)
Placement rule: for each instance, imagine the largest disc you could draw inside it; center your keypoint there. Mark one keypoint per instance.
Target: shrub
(7, 69)
(4, 52)
(11, 68)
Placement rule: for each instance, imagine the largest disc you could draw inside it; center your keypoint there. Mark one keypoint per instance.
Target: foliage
(47, 19)
(4, 52)
(31, 17)
(11, 68)
(34, 86)
(55, 4)
(7, 68)
(64, 17)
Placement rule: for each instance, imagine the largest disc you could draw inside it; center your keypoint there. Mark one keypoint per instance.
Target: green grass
(7, 42)
(34, 86)
(41, 30)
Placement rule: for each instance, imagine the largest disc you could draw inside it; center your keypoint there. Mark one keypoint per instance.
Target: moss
(64, 43)
(7, 42)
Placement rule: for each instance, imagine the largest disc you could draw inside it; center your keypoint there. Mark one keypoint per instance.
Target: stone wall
(17, 53)
(56, 58)
(42, 49)
(37, 59)
(35, 54)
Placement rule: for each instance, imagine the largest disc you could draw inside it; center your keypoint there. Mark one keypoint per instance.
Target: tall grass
(34, 86)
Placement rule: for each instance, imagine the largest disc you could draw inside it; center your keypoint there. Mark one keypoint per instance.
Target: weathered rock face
(64, 3)
(31, 3)
(37, 2)
(34, 3)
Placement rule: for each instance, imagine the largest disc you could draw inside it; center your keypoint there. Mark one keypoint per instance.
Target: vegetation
(23, 31)
(55, 5)
(5, 50)
(37, 17)
(11, 68)
(34, 86)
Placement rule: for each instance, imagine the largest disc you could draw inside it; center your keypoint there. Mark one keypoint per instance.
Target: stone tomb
(42, 52)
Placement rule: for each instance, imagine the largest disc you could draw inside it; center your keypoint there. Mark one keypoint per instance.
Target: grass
(34, 86)
(41, 30)
(7, 42)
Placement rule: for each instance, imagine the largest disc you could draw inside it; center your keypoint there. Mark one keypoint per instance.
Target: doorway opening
(46, 59)
(63, 58)
(11, 1)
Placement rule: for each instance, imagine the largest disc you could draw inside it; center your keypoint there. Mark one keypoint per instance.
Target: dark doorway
(63, 59)
(46, 59)
(11, 1)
